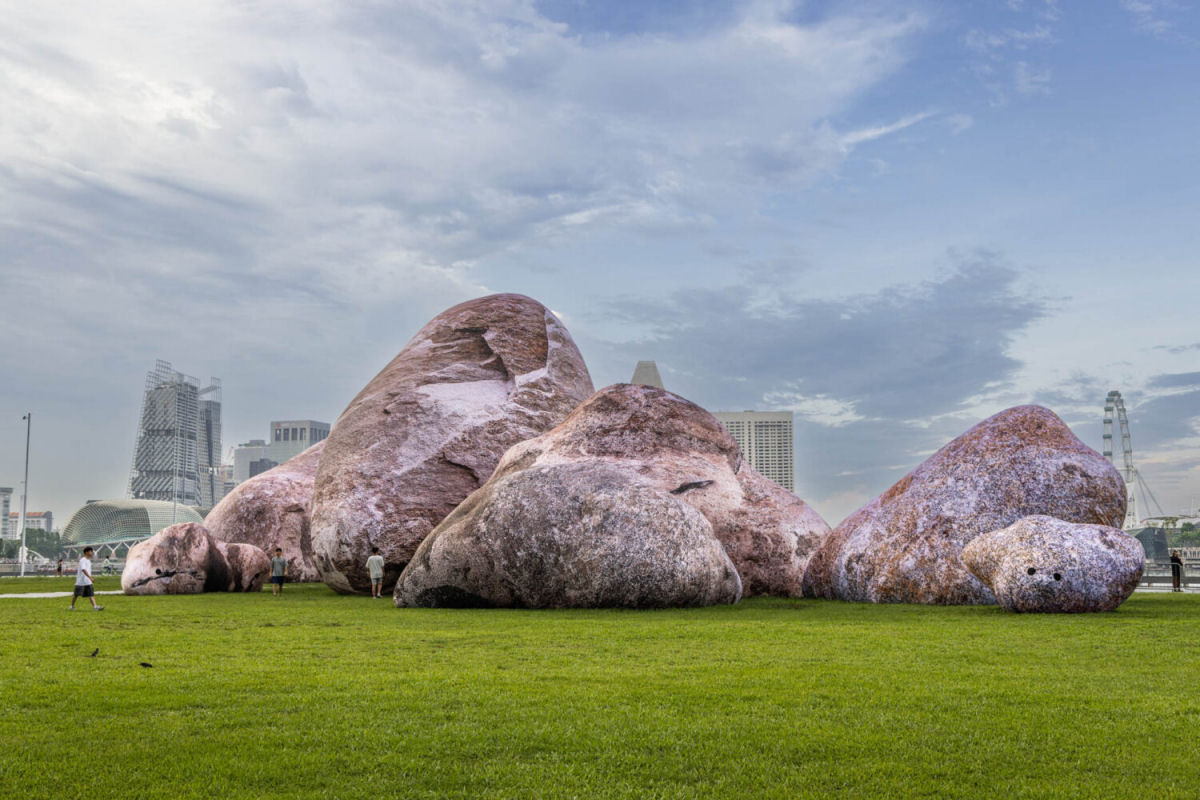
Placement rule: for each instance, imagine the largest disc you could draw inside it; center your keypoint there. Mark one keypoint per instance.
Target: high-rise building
(292, 437)
(37, 520)
(246, 454)
(5, 503)
(646, 374)
(765, 438)
(177, 450)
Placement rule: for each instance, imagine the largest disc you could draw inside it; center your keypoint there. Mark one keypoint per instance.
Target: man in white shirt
(83, 581)
(375, 570)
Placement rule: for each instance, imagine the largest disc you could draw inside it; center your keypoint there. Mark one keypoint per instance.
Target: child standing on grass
(278, 571)
(375, 570)
(83, 581)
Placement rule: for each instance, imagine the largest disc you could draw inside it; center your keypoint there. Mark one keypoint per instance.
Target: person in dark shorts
(58, 568)
(278, 571)
(1176, 571)
(83, 581)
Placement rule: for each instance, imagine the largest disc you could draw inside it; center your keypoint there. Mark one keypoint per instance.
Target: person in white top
(83, 581)
(375, 570)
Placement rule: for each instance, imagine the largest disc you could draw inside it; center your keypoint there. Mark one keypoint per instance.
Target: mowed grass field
(317, 695)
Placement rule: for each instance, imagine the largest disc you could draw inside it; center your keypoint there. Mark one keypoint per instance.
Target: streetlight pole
(25, 489)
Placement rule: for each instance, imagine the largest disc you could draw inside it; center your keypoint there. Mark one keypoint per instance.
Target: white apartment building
(766, 441)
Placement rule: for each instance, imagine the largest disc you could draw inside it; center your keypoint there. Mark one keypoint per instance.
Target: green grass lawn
(316, 695)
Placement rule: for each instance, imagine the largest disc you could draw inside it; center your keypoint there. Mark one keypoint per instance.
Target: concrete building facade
(37, 520)
(766, 440)
(292, 437)
(5, 507)
(246, 454)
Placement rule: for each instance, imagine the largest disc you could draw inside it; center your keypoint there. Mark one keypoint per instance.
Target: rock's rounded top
(632, 422)
(431, 426)
(1044, 564)
(905, 545)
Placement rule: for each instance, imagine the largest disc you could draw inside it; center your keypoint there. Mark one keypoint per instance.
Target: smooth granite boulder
(429, 429)
(185, 559)
(570, 536)
(271, 510)
(1040, 563)
(905, 546)
(675, 446)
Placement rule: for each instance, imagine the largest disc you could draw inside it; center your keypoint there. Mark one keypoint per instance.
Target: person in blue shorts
(83, 581)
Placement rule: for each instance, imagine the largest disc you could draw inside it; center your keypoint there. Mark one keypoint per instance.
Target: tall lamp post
(25, 489)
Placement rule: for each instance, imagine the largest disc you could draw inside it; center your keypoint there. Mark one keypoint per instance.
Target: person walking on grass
(278, 572)
(83, 581)
(375, 570)
(58, 567)
(1176, 571)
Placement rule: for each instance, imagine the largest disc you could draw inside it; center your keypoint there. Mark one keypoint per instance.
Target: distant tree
(47, 544)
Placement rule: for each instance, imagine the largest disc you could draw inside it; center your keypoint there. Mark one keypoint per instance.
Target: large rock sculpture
(429, 429)
(186, 559)
(581, 535)
(1040, 563)
(905, 546)
(272, 510)
(676, 447)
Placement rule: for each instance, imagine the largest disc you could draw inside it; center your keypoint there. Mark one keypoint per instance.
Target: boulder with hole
(906, 545)
(185, 559)
(1043, 564)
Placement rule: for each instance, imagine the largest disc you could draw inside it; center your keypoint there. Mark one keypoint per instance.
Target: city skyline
(891, 220)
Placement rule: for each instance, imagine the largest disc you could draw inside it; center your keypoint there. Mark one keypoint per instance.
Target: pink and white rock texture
(674, 446)
(185, 559)
(584, 535)
(272, 510)
(905, 546)
(1042, 564)
(429, 429)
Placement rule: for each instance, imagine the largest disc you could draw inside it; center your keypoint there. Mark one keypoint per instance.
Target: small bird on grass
(95, 653)
(144, 664)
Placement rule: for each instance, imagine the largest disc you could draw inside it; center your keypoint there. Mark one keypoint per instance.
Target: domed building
(113, 526)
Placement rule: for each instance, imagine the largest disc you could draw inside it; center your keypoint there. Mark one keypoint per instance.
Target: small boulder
(429, 429)
(675, 446)
(272, 510)
(185, 559)
(906, 545)
(570, 536)
(248, 566)
(1040, 563)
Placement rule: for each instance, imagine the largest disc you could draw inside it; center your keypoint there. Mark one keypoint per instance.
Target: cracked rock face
(429, 429)
(185, 559)
(272, 510)
(906, 545)
(583, 535)
(675, 446)
(1042, 564)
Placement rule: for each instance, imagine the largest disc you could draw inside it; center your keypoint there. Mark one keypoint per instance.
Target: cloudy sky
(893, 218)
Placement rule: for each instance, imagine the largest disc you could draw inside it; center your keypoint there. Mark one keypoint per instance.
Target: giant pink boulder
(185, 559)
(906, 545)
(674, 446)
(429, 429)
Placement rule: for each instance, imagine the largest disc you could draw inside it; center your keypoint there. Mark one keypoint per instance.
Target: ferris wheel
(1133, 480)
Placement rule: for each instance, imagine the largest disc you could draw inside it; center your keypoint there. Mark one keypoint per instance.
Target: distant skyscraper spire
(646, 374)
